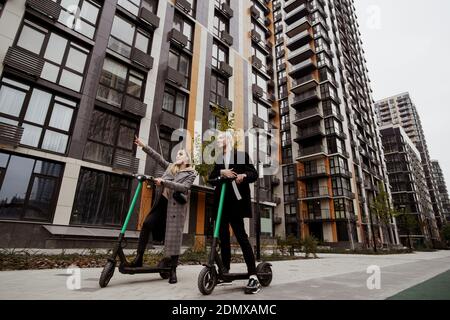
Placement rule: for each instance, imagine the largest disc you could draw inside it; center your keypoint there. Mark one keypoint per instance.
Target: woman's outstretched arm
(152, 153)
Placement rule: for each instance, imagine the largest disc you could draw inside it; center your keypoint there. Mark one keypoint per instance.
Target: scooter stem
(219, 213)
(131, 209)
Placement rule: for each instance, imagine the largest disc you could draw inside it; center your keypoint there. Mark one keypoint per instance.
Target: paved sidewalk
(332, 276)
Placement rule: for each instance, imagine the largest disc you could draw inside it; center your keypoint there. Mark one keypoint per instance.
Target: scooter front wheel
(264, 273)
(207, 280)
(107, 273)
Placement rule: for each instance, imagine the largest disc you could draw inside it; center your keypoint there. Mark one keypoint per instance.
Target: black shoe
(173, 276)
(253, 286)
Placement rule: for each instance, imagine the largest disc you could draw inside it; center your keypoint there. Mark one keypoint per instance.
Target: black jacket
(232, 205)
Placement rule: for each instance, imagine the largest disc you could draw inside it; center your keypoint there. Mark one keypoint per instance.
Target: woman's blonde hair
(175, 168)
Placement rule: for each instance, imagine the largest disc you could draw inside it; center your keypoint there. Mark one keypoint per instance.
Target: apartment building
(79, 79)
(408, 187)
(442, 187)
(401, 110)
(332, 159)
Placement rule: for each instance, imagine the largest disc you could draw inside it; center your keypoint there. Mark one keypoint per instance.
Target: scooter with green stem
(163, 267)
(210, 276)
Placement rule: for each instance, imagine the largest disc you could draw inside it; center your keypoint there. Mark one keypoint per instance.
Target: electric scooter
(209, 277)
(163, 267)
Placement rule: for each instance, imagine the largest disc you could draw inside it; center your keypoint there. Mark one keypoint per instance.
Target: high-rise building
(79, 79)
(401, 110)
(409, 188)
(332, 159)
(442, 188)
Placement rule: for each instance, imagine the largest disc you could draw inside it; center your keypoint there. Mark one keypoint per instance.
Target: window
(182, 63)
(46, 118)
(175, 102)
(108, 135)
(193, 3)
(220, 53)
(185, 28)
(116, 81)
(219, 87)
(80, 15)
(65, 61)
(101, 199)
(125, 35)
(29, 188)
(220, 24)
(133, 6)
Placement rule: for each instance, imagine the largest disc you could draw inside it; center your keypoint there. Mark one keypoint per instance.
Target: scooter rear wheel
(107, 273)
(207, 280)
(264, 273)
(164, 263)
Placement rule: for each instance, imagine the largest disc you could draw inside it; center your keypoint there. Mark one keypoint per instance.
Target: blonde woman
(170, 206)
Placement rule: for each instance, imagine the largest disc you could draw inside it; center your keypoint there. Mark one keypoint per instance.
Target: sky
(407, 47)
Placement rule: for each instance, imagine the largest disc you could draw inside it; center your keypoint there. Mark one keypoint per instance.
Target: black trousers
(237, 224)
(157, 219)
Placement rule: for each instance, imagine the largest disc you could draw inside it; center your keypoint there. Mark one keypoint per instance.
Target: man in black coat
(237, 205)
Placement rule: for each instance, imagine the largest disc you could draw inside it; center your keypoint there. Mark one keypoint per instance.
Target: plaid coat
(176, 213)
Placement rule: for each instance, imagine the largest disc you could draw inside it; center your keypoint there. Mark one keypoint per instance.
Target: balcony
(141, 58)
(298, 27)
(303, 84)
(226, 10)
(177, 38)
(310, 153)
(321, 215)
(317, 193)
(302, 69)
(255, 36)
(24, 61)
(134, 106)
(226, 37)
(299, 40)
(256, 62)
(339, 171)
(317, 172)
(149, 17)
(275, 181)
(46, 7)
(125, 162)
(225, 69)
(310, 133)
(257, 91)
(254, 12)
(258, 122)
(291, 5)
(272, 113)
(296, 14)
(307, 116)
(301, 54)
(304, 99)
(10, 135)
(175, 77)
(225, 103)
(184, 5)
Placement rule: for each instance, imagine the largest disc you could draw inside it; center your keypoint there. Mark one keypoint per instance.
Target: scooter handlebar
(220, 180)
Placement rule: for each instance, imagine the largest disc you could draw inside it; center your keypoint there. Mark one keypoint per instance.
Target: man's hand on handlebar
(240, 178)
(228, 173)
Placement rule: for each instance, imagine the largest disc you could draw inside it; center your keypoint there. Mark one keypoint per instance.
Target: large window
(125, 35)
(186, 28)
(116, 81)
(65, 61)
(220, 24)
(46, 118)
(80, 15)
(175, 102)
(29, 188)
(101, 199)
(219, 54)
(219, 87)
(133, 6)
(108, 135)
(182, 63)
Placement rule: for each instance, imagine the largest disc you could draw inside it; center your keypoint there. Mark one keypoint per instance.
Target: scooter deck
(144, 269)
